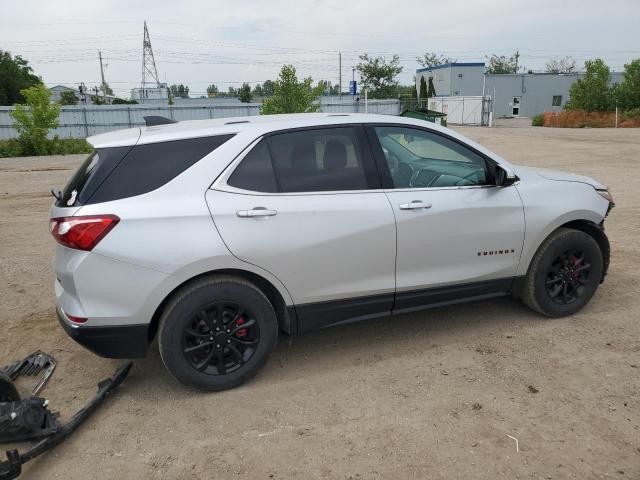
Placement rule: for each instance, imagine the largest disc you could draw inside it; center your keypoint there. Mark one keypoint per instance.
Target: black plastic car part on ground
(36, 364)
(12, 467)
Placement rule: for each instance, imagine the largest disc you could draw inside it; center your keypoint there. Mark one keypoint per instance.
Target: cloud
(198, 42)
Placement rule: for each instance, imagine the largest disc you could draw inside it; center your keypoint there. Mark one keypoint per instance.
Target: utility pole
(340, 77)
(104, 84)
(517, 55)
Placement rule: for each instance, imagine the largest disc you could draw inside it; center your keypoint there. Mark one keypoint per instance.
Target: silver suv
(216, 235)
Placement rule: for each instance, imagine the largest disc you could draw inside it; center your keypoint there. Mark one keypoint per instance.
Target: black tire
(8, 391)
(205, 320)
(564, 273)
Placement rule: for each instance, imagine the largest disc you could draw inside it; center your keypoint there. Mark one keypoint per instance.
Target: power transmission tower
(149, 72)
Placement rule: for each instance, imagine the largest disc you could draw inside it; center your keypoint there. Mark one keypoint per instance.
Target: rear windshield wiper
(57, 193)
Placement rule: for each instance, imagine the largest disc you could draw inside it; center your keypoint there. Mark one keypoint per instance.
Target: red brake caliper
(576, 264)
(242, 332)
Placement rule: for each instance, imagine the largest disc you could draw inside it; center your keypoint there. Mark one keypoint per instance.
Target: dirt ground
(436, 394)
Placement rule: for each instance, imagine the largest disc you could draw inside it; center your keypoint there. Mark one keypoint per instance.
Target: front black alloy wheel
(564, 273)
(217, 332)
(568, 277)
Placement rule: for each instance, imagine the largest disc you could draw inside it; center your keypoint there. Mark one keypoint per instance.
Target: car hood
(557, 176)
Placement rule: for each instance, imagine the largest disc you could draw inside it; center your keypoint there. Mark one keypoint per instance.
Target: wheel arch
(591, 228)
(597, 232)
(286, 320)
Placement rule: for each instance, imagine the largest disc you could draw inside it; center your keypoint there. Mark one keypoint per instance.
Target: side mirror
(502, 178)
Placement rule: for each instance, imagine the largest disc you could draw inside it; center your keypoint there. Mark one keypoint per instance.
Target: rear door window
(255, 171)
(322, 159)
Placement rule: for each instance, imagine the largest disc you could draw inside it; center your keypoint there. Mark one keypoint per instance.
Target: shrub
(55, 146)
(630, 114)
(34, 120)
(538, 120)
(10, 148)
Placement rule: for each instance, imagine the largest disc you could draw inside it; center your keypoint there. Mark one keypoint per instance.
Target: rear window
(120, 172)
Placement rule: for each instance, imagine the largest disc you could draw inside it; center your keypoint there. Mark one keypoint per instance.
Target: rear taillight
(82, 233)
(76, 320)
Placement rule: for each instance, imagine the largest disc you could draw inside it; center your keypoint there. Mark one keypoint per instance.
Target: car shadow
(346, 345)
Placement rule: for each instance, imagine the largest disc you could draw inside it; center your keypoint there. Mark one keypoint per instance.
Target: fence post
(129, 115)
(86, 126)
(210, 111)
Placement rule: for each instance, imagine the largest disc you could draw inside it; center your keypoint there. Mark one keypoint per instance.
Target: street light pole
(340, 77)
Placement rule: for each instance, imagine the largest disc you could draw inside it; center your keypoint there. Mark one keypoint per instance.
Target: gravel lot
(428, 395)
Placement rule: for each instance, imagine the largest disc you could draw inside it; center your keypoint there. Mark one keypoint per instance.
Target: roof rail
(153, 120)
(233, 122)
(338, 115)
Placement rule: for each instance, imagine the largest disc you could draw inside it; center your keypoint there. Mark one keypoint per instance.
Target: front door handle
(256, 212)
(414, 205)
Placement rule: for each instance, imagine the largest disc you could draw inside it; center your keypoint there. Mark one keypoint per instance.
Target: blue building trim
(455, 64)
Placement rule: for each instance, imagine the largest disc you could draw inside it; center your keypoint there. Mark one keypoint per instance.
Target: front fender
(552, 204)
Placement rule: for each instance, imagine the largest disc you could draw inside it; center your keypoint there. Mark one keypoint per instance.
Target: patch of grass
(54, 146)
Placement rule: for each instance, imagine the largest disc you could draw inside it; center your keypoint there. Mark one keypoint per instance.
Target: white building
(159, 94)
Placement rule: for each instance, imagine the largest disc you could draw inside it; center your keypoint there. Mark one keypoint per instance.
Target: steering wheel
(466, 178)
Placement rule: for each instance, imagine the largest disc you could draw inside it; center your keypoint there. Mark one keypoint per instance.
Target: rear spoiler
(153, 120)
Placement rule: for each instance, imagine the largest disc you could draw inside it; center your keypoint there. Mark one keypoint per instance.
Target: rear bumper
(119, 341)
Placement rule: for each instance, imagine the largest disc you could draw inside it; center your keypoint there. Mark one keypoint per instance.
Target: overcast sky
(198, 42)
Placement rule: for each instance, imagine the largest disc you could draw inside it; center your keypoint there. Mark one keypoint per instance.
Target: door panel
(321, 246)
(454, 226)
(459, 235)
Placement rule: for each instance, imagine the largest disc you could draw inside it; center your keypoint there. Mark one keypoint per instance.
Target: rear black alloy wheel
(217, 332)
(568, 277)
(563, 274)
(221, 338)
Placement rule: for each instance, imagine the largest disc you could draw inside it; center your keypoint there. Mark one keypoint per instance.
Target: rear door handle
(256, 212)
(414, 205)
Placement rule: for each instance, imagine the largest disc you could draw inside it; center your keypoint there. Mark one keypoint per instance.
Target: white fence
(462, 110)
(82, 122)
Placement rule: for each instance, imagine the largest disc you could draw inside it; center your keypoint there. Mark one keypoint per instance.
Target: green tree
(15, 75)
(502, 64)
(212, 90)
(257, 90)
(244, 93)
(291, 95)
(628, 92)
(268, 88)
(591, 92)
(181, 91)
(378, 75)
(68, 98)
(423, 87)
(431, 89)
(432, 59)
(106, 89)
(122, 101)
(33, 121)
